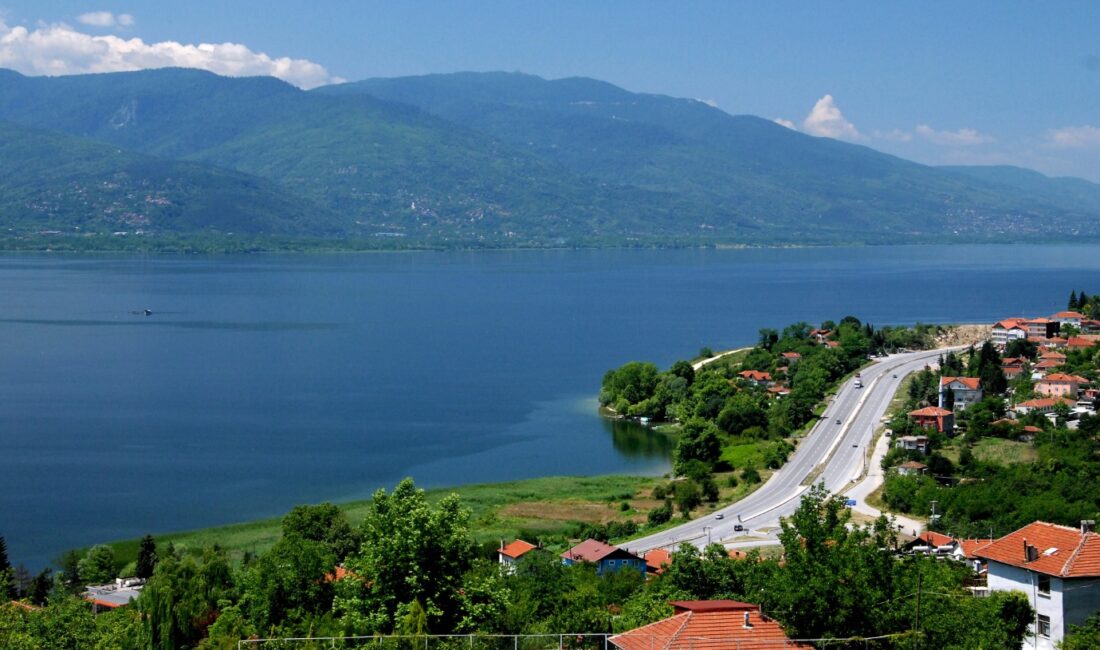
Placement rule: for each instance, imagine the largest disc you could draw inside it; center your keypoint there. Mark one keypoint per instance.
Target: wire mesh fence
(564, 642)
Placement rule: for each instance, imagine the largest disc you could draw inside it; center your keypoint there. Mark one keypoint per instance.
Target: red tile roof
(755, 375)
(969, 546)
(932, 538)
(1068, 314)
(1059, 550)
(972, 383)
(792, 355)
(1051, 354)
(708, 625)
(912, 464)
(1064, 378)
(1047, 402)
(1080, 342)
(1047, 364)
(1010, 323)
(930, 411)
(591, 550)
(658, 559)
(517, 548)
(1013, 361)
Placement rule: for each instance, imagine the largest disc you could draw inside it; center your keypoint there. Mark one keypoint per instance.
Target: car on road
(838, 420)
(850, 502)
(895, 376)
(719, 516)
(738, 528)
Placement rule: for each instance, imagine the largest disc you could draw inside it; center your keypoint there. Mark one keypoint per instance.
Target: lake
(261, 382)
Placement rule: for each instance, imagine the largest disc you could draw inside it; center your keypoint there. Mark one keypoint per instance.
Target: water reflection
(636, 441)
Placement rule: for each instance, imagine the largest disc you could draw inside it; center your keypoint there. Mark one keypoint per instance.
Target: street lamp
(707, 529)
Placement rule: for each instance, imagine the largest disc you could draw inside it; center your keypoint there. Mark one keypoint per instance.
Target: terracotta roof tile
(591, 550)
(969, 546)
(658, 559)
(931, 411)
(972, 383)
(517, 548)
(708, 625)
(1059, 550)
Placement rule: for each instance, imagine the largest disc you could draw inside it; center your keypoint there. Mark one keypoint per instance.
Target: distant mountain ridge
(484, 159)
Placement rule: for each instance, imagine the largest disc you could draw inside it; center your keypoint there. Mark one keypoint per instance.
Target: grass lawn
(997, 451)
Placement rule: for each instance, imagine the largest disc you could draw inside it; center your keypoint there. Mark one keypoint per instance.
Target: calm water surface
(262, 382)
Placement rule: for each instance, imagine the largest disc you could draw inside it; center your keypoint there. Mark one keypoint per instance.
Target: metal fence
(559, 642)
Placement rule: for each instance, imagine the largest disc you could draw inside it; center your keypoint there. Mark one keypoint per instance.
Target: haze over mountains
(473, 159)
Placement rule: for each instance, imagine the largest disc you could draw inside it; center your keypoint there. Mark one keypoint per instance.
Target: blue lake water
(262, 382)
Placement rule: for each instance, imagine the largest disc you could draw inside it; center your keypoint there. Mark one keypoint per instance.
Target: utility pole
(916, 626)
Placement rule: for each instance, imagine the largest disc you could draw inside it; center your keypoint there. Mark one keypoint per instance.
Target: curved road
(832, 453)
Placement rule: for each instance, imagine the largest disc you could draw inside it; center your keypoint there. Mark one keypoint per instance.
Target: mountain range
(471, 159)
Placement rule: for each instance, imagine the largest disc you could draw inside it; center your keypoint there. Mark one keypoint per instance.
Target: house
(113, 595)
(1043, 328)
(1007, 330)
(1079, 343)
(1044, 405)
(1013, 367)
(1053, 356)
(820, 335)
(779, 391)
(703, 624)
(1069, 318)
(832, 344)
(913, 443)
(912, 468)
(967, 390)
(1059, 384)
(758, 377)
(509, 554)
(932, 542)
(1090, 326)
(792, 357)
(934, 417)
(605, 557)
(657, 560)
(1056, 567)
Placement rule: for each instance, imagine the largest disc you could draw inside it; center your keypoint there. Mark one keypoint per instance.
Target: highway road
(831, 452)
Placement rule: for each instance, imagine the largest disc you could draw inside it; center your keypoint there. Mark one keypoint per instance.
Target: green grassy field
(546, 506)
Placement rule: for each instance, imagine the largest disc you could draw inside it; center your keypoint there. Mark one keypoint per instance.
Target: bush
(750, 475)
(660, 514)
(624, 506)
(660, 491)
(731, 481)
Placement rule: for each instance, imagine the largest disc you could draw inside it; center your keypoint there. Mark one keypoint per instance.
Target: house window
(1044, 625)
(1044, 584)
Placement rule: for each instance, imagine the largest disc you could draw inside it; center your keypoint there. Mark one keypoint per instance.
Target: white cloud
(787, 123)
(826, 120)
(960, 138)
(1074, 137)
(105, 19)
(60, 49)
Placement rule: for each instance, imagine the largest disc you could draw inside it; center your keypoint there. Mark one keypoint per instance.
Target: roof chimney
(1088, 526)
(1030, 552)
(748, 625)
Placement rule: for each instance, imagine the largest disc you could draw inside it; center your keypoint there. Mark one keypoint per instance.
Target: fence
(562, 642)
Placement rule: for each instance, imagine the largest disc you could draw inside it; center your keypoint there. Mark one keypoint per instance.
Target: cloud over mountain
(825, 119)
(59, 49)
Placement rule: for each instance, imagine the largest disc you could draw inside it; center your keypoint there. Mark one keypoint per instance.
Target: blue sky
(938, 82)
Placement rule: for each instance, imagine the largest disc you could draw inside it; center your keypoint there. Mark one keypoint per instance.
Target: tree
(688, 497)
(98, 565)
(1018, 348)
(288, 583)
(768, 338)
(684, 370)
(1084, 637)
(7, 575)
(410, 552)
(1072, 304)
(147, 557)
(699, 440)
(182, 598)
(322, 523)
(40, 587)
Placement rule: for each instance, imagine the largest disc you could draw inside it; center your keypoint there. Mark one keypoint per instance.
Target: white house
(1057, 567)
(966, 390)
(1008, 330)
(511, 553)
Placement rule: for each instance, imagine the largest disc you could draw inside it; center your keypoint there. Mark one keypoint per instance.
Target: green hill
(55, 182)
(740, 166)
(491, 159)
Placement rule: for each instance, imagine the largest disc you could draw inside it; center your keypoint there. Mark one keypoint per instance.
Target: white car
(719, 516)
